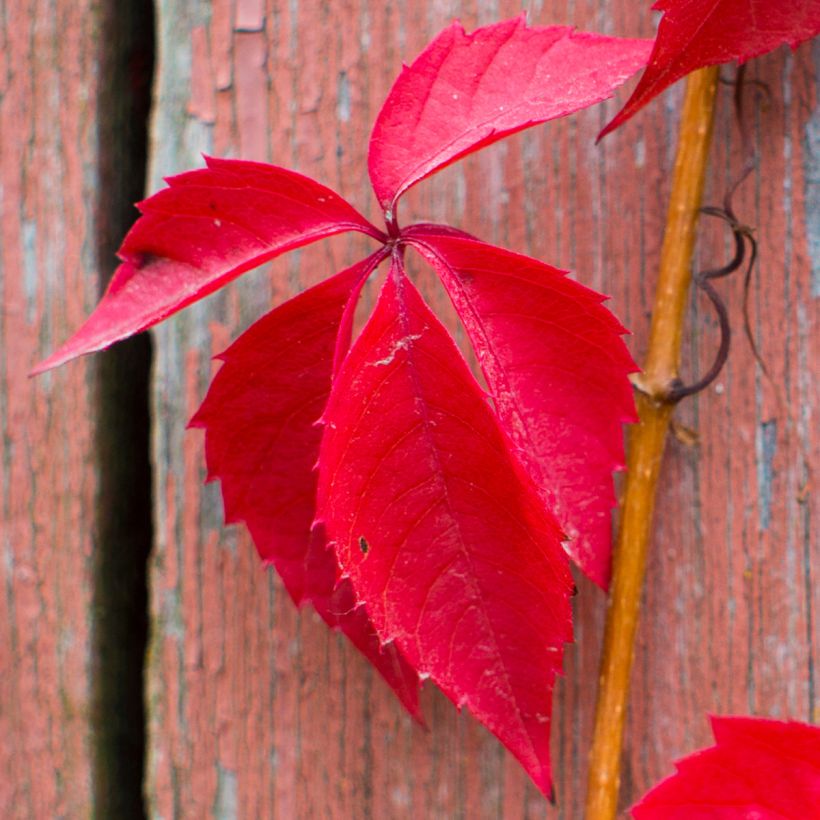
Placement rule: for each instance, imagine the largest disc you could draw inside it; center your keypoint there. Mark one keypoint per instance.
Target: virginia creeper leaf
(423, 537)
(697, 33)
(465, 91)
(439, 529)
(761, 769)
(262, 443)
(557, 369)
(205, 229)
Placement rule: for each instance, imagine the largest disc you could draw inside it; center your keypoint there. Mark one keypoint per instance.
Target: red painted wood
(256, 710)
(48, 92)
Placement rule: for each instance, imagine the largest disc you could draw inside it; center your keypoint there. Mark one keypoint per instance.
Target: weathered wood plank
(256, 710)
(731, 605)
(49, 79)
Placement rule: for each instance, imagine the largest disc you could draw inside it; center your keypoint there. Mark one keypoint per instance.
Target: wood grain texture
(256, 710)
(48, 282)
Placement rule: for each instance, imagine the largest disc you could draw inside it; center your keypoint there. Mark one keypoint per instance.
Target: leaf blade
(262, 442)
(205, 229)
(757, 768)
(557, 368)
(463, 569)
(697, 33)
(465, 91)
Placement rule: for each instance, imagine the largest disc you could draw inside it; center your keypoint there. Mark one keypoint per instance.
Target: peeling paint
(29, 240)
(250, 15)
(225, 806)
(267, 702)
(48, 118)
(765, 447)
(811, 151)
(343, 97)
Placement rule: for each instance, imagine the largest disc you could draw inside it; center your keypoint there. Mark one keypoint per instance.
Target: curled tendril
(703, 279)
(745, 244)
(744, 240)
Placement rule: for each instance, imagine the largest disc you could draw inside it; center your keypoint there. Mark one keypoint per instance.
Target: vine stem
(647, 440)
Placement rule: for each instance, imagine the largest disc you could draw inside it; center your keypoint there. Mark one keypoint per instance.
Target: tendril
(703, 279)
(745, 245)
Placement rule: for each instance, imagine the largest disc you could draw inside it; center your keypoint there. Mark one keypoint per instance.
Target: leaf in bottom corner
(758, 769)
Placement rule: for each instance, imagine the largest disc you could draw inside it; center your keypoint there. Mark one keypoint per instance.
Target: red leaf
(697, 33)
(262, 443)
(208, 227)
(762, 769)
(438, 527)
(557, 370)
(466, 91)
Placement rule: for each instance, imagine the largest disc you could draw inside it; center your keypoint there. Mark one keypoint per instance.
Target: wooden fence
(253, 709)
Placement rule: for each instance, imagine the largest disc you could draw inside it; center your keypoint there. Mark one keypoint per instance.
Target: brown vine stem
(647, 439)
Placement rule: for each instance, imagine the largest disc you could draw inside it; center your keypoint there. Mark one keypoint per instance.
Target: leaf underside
(697, 33)
(262, 443)
(763, 769)
(463, 569)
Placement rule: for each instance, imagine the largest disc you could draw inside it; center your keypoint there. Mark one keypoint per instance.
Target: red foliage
(205, 229)
(696, 33)
(442, 535)
(263, 442)
(465, 91)
(545, 346)
(761, 769)
(427, 534)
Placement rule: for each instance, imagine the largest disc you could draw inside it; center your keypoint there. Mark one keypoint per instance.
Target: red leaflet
(204, 230)
(466, 91)
(260, 417)
(439, 529)
(447, 562)
(262, 443)
(762, 769)
(535, 332)
(697, 33)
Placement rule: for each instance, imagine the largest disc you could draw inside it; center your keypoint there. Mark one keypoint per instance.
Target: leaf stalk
(655, 404)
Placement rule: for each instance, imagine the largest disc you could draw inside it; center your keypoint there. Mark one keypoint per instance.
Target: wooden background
(255, 710)
(49, 92)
